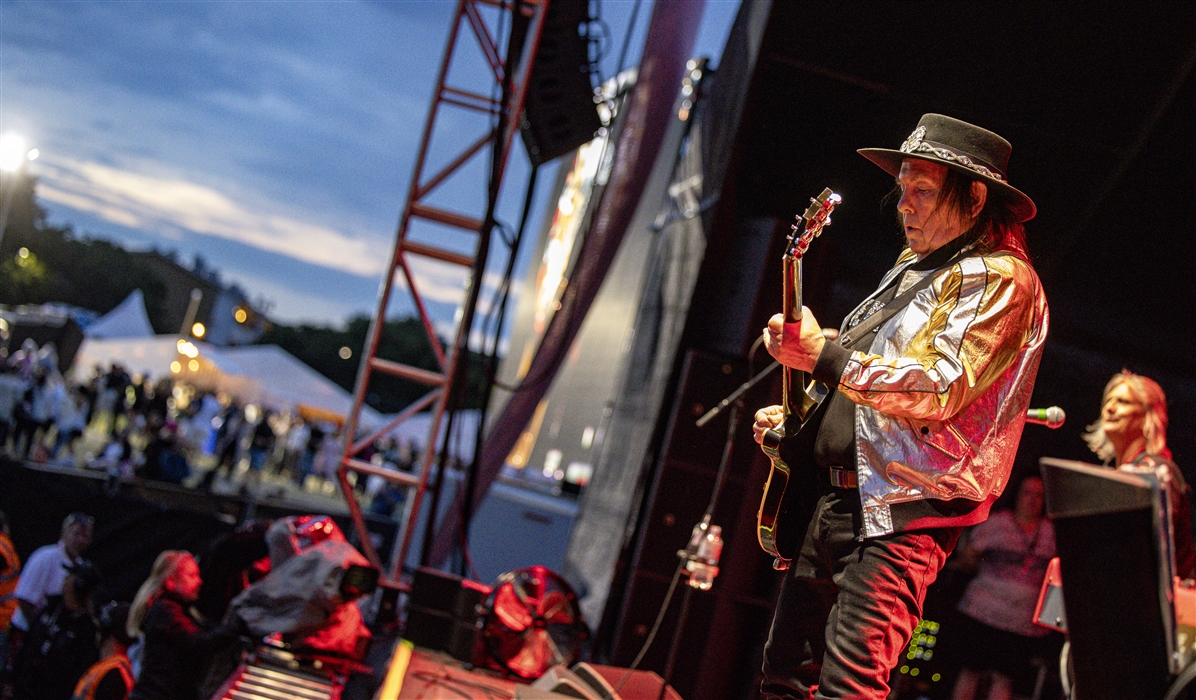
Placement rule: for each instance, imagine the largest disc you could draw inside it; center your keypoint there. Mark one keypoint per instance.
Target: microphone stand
(734, 395)
(735, 401)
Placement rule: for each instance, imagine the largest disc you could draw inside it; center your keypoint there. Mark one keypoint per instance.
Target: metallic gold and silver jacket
(941, 395)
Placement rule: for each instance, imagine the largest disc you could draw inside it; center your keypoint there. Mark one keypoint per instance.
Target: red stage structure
(421, 234)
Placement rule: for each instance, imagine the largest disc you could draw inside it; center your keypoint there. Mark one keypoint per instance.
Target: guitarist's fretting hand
(798, 351)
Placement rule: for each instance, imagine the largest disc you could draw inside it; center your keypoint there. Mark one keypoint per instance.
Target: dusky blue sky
(274, 138)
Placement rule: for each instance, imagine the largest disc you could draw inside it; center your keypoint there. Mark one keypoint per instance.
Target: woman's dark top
(58, 649)
(177, 652)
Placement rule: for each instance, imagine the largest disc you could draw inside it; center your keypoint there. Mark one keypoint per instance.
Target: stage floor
(420, 674)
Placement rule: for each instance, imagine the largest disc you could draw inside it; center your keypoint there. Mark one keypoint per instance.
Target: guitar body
(773, 518)
(789, 493)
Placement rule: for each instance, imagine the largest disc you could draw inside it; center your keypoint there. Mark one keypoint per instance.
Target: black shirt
(58, 649)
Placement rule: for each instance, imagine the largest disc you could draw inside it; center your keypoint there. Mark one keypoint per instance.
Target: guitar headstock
(811, 222)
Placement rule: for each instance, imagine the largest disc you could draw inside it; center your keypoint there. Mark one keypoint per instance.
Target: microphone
(1052, 417)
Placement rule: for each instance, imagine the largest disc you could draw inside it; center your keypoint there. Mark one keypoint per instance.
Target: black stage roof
(1099, 102)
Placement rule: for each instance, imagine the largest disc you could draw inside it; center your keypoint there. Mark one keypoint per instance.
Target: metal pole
(192, 311)
(6, 204)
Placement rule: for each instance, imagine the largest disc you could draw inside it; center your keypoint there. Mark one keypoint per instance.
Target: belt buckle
(843, 478)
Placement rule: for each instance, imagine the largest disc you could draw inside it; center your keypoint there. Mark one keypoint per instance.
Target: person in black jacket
(178, 647)
(61, 643)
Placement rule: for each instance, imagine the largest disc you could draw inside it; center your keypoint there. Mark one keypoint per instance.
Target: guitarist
(920, 432)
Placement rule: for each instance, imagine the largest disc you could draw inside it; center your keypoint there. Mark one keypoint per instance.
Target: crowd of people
(184, 632)
(60, 645)
(137, 426)
(56, 643)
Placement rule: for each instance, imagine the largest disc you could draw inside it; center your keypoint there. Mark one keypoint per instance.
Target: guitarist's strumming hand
(795, 345)
(767, 418)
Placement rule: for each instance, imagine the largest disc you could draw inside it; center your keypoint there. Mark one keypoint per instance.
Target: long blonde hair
(1150, 396)
(165, 567)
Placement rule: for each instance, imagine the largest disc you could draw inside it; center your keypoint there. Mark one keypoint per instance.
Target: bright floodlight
(12, 152)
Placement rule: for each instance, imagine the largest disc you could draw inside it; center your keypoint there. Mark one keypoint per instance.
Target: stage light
(187, 348)
(12, 152)
(197, 329)
(175, 367)
(345, 353)
(240, 315)
(193, 365)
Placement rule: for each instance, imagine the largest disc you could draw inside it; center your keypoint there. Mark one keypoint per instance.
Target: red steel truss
(418, 213)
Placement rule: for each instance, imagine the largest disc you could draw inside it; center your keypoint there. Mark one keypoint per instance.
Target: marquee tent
(127, 320)
(262, 374)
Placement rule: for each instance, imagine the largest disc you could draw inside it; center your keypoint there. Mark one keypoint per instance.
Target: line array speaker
(559, 113)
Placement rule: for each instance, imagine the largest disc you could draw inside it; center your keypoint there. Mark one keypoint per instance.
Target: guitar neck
(793, 402)
(791, 307)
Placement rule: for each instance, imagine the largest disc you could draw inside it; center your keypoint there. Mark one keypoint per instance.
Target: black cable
(459, 382)
(668, 597)
(598, 42)
(489, 359)
(627, 38)
(490, 362)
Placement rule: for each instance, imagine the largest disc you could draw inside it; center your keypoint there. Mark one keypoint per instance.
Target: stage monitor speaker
(442, 612)
(1114, 593)
(593, 682)
(559, 113)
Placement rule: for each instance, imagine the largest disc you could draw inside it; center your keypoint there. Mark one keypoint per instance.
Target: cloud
(168, 207)
(160, 204)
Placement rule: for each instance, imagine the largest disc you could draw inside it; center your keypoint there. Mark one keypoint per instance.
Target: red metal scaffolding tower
(479, 18)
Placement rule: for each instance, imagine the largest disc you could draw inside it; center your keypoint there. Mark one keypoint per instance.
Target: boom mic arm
(1052, 417)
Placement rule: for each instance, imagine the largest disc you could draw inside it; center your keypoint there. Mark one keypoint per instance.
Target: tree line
(41, 263)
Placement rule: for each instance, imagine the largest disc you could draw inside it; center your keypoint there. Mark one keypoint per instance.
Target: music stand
(1112, 532)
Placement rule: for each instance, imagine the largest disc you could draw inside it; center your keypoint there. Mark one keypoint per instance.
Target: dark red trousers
(848, 606)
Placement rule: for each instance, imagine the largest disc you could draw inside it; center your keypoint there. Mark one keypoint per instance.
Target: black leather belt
(843, 478)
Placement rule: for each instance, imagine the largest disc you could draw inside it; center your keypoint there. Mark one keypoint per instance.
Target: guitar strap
(818, 391)
(862, 330)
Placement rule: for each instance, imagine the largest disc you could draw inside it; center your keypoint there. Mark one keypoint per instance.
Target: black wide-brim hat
(966, 148)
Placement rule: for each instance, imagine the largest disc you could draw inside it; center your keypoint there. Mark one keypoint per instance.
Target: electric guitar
(777, 537)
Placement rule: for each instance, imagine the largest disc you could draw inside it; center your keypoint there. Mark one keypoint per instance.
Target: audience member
(45, 571)
(61, 642)
(71, 421)
(998, 637)
(110, 678)
(12, 388)
(10, 571)
(261, 445)
(177, 648)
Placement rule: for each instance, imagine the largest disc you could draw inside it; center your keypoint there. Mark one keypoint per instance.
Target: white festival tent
(127, 320)
(263, 374)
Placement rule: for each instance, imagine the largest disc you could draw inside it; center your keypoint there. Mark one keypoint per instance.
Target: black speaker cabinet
(442, 612)
(720, 645)
(559, 111)
(1116, 579)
